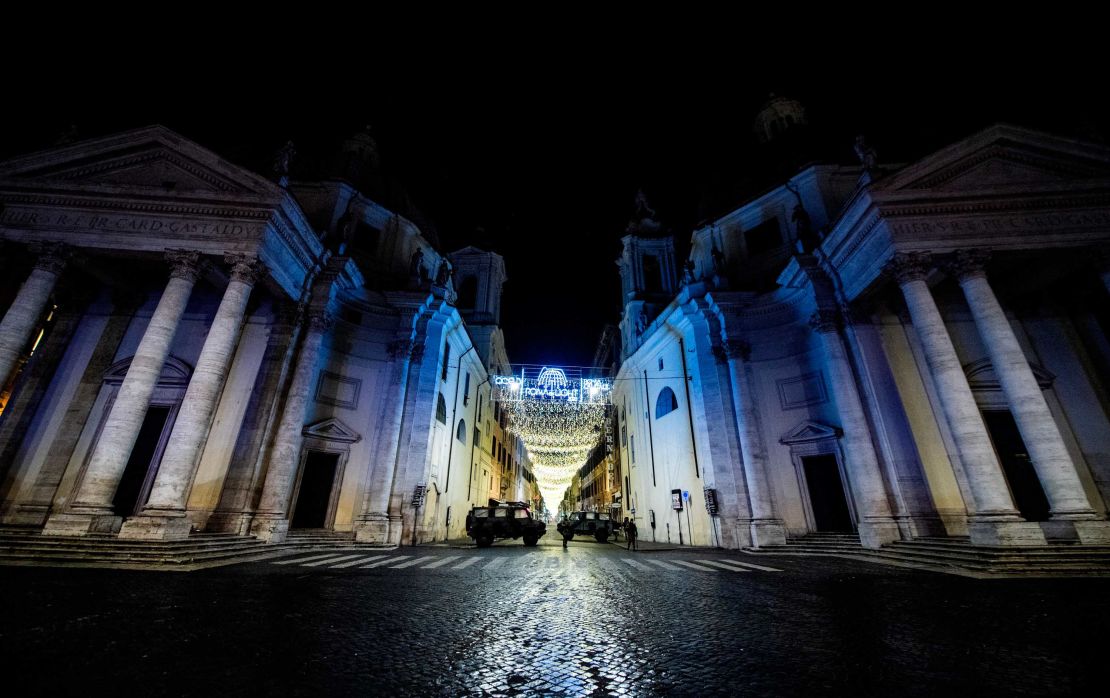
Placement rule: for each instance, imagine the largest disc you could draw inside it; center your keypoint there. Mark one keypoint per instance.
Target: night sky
(542, 164)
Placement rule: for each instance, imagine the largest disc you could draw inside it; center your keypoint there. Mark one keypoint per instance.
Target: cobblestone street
(590, 620)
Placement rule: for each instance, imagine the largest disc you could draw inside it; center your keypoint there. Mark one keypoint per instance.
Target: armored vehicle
(503, 520)
(587, 523)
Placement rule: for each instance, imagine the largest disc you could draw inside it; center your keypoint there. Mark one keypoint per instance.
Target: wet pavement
(510, 620)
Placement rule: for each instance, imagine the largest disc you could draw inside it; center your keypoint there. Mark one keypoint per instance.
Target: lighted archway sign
(559, 414)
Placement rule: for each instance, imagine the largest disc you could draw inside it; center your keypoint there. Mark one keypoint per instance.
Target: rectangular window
(632, 446)
(660, 363)
(446, 360)
(466, 389)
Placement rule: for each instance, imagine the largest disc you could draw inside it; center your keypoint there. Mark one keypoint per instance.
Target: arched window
(441, 409)
(468, 293)
(666, 403)
(460, 433)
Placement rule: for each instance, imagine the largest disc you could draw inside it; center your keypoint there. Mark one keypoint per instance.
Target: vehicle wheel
(484, 541)
(601, 536)
(531, 541)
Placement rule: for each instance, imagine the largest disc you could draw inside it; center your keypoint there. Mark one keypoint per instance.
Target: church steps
(958, 556)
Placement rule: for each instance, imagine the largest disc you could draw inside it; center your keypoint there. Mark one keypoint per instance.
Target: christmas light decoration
(559, 414)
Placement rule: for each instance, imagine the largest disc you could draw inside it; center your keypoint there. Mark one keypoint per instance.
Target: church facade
(895, 353)
(187, 346)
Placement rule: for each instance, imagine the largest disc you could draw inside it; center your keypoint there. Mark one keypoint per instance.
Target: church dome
(778, 115)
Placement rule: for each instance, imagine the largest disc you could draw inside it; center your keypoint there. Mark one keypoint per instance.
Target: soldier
(630, 533)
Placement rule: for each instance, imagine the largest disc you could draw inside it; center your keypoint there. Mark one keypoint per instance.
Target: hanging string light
(559, 417)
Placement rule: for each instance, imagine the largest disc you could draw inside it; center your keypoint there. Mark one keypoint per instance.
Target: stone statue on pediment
(416, 265)
(641, 322)
(283, 160)
(688, 271)
(718, 261)
(866, 154)
(443, 273)
(344, 231)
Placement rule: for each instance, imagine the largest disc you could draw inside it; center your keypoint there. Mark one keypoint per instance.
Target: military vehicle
(503, 520)
(588, 523)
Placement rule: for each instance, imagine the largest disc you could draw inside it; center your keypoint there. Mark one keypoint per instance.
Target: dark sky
(546, 159)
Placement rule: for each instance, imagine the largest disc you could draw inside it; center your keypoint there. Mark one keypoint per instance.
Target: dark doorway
(311, 510)
(826, 494)
(1026, 488)
(137, 477)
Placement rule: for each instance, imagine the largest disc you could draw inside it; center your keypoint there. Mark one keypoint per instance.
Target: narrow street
(509, 620)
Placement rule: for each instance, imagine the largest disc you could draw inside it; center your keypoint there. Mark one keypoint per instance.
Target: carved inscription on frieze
(1003, 224)
(125, 223)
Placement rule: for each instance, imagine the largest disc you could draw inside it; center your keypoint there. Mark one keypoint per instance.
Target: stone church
(888, 352)
(187, 346)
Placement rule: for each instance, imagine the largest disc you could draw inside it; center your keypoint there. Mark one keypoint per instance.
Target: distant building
(896, 352)
(188, 346)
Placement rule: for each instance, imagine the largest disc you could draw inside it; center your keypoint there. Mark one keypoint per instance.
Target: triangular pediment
(332, 430)
(1000, 157)
(153, 158)
(809, 431)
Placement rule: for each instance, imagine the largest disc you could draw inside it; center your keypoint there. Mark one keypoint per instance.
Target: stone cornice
(260, 211)
(931, 204)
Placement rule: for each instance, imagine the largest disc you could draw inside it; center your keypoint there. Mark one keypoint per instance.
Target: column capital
(400, 348)
(967, 264)
(246, 269)
(824, 320)
(319, 319)
(185, 264)
(52, 256)
(909, 266)
(736, 349)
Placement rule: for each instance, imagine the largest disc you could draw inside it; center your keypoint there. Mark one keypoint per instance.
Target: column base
(237, 522)
(1005, 533)
(1093, 532)
(31, 515)
(157, 527)
(271, 528)
(73, 524)
(876, 534)
(379, 529)
(767, 532)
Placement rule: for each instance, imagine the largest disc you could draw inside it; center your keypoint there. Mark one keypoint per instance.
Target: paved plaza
(509, 620)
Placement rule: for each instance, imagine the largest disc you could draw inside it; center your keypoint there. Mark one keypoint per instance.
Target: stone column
(1038, 429)
(38, 505)
(163, 516)
(992, 518)
(30, 390)
(373, 525)
(271, 523)
(874, 520)
(766, 527)
(91, 510)
(30, 303)
(245, 472)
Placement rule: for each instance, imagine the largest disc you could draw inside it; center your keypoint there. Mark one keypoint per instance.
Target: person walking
(630, 534)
